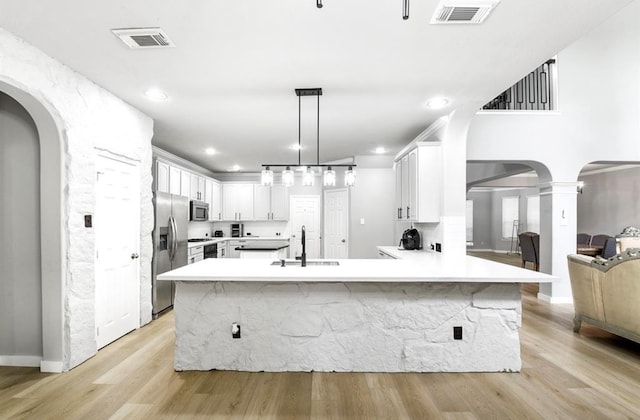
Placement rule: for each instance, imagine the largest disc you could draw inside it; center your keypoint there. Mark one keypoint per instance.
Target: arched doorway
(52, 237)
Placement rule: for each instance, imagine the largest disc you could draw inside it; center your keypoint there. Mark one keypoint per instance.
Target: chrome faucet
(303, 258)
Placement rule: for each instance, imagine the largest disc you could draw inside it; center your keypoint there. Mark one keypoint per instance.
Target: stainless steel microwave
(199, 211)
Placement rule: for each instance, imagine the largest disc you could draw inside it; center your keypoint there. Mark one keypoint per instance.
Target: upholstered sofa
(606, 292)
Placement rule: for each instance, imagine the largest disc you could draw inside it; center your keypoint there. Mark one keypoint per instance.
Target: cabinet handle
(407, 212)
(400, 214)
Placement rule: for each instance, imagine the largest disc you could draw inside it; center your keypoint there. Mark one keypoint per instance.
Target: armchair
(530, 247)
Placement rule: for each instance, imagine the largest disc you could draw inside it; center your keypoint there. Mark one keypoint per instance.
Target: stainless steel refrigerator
(169, 245)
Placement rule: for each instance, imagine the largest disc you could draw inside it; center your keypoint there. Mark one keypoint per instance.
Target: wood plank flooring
(594, 375)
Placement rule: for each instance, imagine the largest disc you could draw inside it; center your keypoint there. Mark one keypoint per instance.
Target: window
(469, 215)
(510, 211)
(533, 213)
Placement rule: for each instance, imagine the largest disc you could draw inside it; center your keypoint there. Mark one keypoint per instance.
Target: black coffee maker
(410, 239)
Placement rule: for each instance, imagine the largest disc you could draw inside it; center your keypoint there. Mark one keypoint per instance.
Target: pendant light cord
(318, 134)
(299, 144)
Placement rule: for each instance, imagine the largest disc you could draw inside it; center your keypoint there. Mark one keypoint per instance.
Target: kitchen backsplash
(206, 229)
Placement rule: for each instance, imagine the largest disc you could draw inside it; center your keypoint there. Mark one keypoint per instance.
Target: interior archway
(52, 230)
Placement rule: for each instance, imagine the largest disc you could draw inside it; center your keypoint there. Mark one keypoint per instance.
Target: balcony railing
(535, 92)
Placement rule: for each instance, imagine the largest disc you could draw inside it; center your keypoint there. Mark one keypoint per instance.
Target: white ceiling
(232, 75)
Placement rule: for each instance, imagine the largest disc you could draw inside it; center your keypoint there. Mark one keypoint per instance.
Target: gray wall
(487, 217)
(372, 199)
(20, 280)
(609, 201)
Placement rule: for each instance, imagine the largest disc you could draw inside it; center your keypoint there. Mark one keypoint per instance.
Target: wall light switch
(362, 220)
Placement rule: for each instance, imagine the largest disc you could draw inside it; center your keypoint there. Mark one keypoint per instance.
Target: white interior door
(336, 223)
(117, 227)
(305, 210)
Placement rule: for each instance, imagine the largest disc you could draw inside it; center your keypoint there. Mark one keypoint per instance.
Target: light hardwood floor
(594, 375)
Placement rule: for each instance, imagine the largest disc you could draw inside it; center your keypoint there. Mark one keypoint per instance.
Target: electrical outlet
(457, 333)
(235, 330)
(438, 247)
(87, 221)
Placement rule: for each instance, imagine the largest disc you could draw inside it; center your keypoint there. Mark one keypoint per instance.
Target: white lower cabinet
(233, 244)
(196, 254)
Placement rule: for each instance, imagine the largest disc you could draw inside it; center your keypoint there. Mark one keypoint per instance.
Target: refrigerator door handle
(172, 237)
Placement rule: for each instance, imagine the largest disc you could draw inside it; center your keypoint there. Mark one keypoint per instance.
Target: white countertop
(215, 240)
(413, 267)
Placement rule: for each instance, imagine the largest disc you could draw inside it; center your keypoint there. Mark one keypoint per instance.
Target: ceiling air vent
(136, 38)
(463, 11)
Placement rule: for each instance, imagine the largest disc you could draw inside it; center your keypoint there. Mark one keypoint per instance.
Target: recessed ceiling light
(210, 151)
(235, 168)
(380, 150)
(156, 94)
(295, 147)
(437, 103)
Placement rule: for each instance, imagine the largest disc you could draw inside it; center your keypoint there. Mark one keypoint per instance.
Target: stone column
(558, 228)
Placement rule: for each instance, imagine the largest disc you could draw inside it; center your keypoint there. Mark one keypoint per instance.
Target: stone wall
(363, 327)
(88, 118)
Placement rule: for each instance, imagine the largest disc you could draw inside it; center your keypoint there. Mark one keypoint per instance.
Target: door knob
(344, 240)
(134, 256)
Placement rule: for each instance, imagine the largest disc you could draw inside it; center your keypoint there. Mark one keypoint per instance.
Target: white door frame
(105, 154)
(326, 223)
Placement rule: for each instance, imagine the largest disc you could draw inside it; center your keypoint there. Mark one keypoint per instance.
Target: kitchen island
(420, 313)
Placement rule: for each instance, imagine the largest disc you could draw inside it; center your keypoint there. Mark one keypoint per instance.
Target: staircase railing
(535, 92)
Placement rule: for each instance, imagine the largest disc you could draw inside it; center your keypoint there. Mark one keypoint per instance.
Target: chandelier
(308, 175)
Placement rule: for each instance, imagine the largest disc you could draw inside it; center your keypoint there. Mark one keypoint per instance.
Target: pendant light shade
(267, 177)
(307, 177)
(329, 179)
(350, 177)
(287, 177)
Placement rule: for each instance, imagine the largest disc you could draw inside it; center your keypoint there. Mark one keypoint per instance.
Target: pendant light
(287, 177)
(308, 177)
(267, 177)
(405, 9)
(329, 179)
(350, 177)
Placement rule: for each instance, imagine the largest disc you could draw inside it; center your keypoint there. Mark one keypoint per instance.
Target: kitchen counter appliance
(211, 251)
(237, 230)
(218, 234)
(169, 245)
(199, 211)
(410, 239)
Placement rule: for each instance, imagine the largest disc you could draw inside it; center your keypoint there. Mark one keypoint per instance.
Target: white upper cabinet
(262, 202)
(214, 198)
(197, 187)
(279, 203)
(270, 203)
(185, 183)
(237, 202)
(418, 184)
(174, 180)
(162, 176)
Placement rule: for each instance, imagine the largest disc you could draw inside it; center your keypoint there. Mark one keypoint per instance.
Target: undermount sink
(309, 263)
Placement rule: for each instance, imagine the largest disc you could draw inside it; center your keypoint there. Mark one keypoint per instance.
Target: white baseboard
(50, 366)
(20, 361)
(555, 300)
